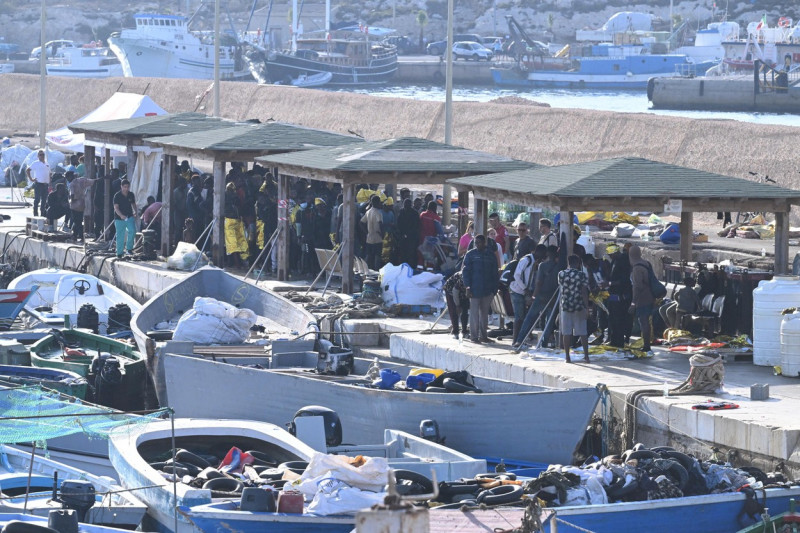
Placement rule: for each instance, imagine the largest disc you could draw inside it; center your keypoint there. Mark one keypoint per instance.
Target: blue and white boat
(604, 72)
(224, 517)
(41, 522)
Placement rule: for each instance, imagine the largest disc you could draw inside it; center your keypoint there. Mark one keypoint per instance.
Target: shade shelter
(131, 133)
(242, 142)
(628, 184)
(407, 160)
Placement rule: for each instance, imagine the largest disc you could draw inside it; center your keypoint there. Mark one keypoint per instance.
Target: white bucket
(770, 298)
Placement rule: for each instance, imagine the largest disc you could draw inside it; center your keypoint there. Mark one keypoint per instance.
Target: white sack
(372, 475)
(336, 497)
(401, 286)
(213, 322)
(185, 257)
(623, 230)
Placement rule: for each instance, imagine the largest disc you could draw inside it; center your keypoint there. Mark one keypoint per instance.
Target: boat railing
(686, 70)
(768, 79)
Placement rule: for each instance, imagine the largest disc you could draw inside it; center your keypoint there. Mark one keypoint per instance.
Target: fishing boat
(12, 302)
(352, 59)
(116, 369)
(51, 485)
(603, 72)
(59, 380)
(31, 523)
(84, 62)
(783, 522)
(475, 424)
(163, 46)
(62, 293)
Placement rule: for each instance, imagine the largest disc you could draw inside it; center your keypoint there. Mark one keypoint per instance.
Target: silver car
(471, 50)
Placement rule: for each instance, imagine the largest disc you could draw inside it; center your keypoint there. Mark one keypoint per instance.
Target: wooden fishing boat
(62, 381)
(108, 505)
(62, 293)
(87, 355)
(475, 424)
(11, 304)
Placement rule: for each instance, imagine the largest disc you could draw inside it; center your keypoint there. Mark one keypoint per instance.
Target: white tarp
(120, 105)
(400, 286)
(13, 156)
(144, 181)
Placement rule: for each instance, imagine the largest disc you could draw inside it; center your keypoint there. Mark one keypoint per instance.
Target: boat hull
(60, 380)
(224, 518)
(715, 513)
(378, 71)
(475, 424)
(152, 59)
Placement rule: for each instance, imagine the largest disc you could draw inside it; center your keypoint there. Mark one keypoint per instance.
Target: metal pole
(258, 257)
(448, 107)
(174, 476)
(216, 59)
(43, 81)
(33, 446)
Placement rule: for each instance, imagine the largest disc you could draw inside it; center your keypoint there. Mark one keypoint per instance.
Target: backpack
(658, 289)
(507, 275)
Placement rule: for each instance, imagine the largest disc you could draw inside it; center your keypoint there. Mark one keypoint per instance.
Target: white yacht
(85, 62)
(162, 46)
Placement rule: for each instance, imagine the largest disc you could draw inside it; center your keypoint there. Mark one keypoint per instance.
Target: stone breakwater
(549, 136)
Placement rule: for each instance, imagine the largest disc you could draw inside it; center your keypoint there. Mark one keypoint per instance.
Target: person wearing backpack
(643, 298)
(518, 286)
(544, 285)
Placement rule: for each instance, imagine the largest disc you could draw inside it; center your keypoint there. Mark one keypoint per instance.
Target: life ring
(502, 476)
(452, 385)
(160, 335)
(223, 484)
(187, 457)
(500, 495)
(425, 484)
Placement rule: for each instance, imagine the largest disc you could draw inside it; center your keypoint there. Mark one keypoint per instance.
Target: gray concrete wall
(721, 94)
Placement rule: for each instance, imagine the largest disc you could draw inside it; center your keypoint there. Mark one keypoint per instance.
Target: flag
(763, 23)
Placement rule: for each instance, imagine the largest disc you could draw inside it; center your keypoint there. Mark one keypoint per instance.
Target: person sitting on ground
(57, 205)
(574, 285)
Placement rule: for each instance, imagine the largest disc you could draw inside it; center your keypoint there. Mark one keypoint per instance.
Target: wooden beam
(283, 227)
(781, 243)
(687, 235)
(168, 164)
(218, 229)
(349, 211)
(91, 173)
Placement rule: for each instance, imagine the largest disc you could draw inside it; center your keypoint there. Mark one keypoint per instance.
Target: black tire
(659, 449)
(177, 470)
(685, 461)
(619, 490)
(638, 446)
(639, 455)
(187, 457)
(458, 498)
(262, 458)
(674, 470)
(505, 476)
(452, 385)
(412, 477)
(224, 484)
(500, 495)
(192, 469)
(457, 505)
(298, 467)
(435, 389)
(18, 526)
(210, 473)
(160, 334)
(449, 489)
(475, 58)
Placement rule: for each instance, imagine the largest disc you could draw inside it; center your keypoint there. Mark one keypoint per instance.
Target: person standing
(408, 234)
(502, 235)
(373, 219)
(619, 299)
(125, 218)
(79, 191)
(178, 206)
(57, 205)
(480, 276)
(39, 173)
(574, 285)
(518, 288)
(525, 243)
(466, 239)
(543, 286)
(548, 236)
(457, 304)
(643, 299)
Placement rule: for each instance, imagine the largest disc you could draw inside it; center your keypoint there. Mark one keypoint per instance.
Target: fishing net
(33, 414)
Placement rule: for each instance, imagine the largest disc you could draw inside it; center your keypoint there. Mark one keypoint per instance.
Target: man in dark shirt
(194, 204)
(125, 218)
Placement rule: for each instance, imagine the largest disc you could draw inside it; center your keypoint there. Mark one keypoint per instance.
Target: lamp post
(216, 59)
(448, 108)
(43, 81)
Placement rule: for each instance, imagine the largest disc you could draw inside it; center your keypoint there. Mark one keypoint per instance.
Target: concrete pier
(430, 70)
(720, 94)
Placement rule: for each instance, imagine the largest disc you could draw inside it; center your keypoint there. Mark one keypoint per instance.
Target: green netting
(33, 414)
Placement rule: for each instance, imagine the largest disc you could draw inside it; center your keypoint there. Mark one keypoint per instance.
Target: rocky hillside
(551, 20)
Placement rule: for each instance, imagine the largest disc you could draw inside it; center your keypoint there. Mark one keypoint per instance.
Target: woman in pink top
(463, 242)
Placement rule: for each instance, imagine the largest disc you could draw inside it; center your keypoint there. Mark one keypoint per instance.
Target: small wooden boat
(87, 355)
(110, 505)
(62, 293)
(475, 424)
(12, 302)
(62, 381)
(312, 80)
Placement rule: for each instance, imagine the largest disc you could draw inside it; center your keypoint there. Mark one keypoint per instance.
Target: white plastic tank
(770, 298)
(790, 345)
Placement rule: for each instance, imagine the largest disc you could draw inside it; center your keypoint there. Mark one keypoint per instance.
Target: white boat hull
(151, 59)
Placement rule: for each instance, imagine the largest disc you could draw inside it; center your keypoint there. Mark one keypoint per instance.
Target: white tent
(120, 105)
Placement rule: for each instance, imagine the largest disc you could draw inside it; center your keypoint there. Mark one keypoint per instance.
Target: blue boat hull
(255, 522)
(715, 513)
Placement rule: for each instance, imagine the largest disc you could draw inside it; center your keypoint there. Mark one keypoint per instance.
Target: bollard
(759, 392)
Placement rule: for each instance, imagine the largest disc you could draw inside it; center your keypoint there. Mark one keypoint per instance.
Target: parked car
(471, 50)
(52, 48)
(405, 46)
(437, 48)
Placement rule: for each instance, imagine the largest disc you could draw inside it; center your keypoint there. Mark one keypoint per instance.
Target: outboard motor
(119, 318)
(149, 245)
(88, 318)
(107, 378)
(333, 426)
(63, 520)
(429, 430)
(77, 495)
(338, 361)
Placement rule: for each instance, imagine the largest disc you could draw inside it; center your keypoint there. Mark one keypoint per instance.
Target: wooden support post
(781, 243)
(168, 163)
(447, 195)
(218, 229)
(348, 236)
(91, 173)
(481, 216)
(687, 235)
(283, 227)
(108, 204)
(565, 227)
(533, 225)
(463, 211)
(131, 156)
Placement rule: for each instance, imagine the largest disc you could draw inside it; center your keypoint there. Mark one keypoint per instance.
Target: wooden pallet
(58, 236)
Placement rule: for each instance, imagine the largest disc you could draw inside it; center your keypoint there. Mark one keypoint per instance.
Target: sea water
(619, 101)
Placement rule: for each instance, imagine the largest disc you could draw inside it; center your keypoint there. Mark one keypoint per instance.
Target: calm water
(620, 101)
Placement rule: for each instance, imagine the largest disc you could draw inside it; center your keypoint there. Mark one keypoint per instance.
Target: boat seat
(364, 270)
(325, 257)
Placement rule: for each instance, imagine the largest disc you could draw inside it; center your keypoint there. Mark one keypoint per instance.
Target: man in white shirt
(39, 173)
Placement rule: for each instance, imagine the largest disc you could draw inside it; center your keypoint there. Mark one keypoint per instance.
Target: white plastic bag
(337, 497)
(372, 475)
(401, 286)
(185, 257)
(213, 322)
(623, 230)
